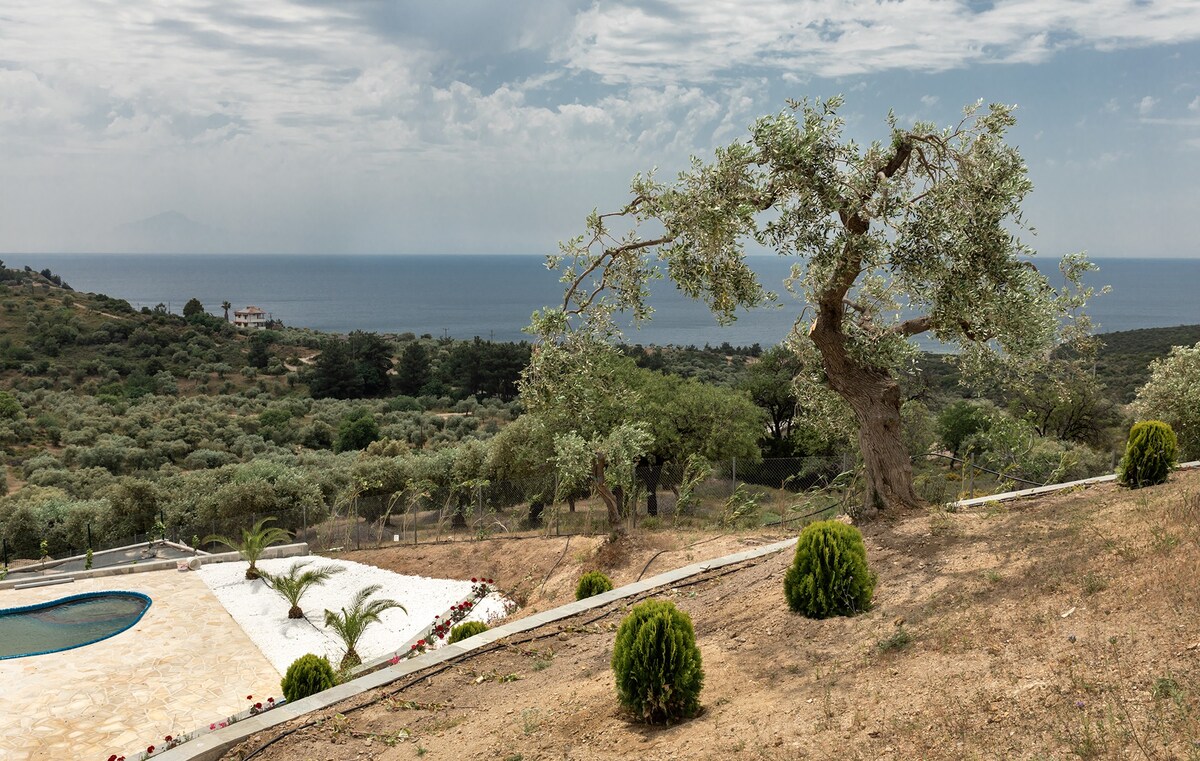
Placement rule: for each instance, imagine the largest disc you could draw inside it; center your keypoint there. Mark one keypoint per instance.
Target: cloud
(1146, 105)
(679, 40)
(1105, 159)
(1195, 104)
(358, 125)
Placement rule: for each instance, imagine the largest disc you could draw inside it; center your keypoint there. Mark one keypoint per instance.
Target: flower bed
(171, 741)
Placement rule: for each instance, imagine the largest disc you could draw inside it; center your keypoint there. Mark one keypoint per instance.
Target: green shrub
(829, 575)
(1149, 454)
(657, 664)
(467, 629)
(308, 675)
(592, 583)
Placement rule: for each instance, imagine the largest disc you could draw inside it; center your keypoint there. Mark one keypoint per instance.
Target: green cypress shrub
(829, 575)
(592, 583)
(657, 663)
(467, 629)
(308, 675)
(1149, 454)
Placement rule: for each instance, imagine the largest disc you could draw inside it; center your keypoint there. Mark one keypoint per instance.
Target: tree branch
(914, 326)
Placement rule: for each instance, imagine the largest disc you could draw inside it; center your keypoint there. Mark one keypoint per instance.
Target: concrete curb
(1035, 491)
(278, 551)
(212, 745)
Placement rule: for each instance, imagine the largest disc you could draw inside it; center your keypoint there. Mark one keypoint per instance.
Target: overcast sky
(362, 126)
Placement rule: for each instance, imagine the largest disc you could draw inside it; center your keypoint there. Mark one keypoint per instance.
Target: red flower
(168, 738)
(150, 749)
(474, 580)
(212, 726)
(414, 647)
(270, 700)
(113, 757)
(258, 705)
(420, 642)
(249, 697)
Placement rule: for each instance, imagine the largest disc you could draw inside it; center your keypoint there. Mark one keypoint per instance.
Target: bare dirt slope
(1065, 627)
(541, 572)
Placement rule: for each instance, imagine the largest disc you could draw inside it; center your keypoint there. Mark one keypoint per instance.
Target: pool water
(69, 622)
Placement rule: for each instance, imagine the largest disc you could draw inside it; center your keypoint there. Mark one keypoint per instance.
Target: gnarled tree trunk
(610, 500)
(873, 394)
(880, 437)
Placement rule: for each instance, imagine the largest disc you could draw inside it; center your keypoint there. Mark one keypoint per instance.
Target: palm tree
(226, 305)
(350, 624)
(253, 543)
(293, 584)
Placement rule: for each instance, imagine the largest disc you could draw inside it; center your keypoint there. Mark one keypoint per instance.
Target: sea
(493, 296)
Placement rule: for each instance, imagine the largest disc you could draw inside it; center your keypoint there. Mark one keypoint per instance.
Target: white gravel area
(262, 613)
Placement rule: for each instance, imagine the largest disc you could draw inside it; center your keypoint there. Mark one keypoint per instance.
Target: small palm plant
(254, 541)
(293, 584)
(351, 623)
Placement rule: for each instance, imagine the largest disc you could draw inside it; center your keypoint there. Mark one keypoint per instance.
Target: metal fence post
(733, 471)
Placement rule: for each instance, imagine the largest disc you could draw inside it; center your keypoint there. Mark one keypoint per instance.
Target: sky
(475, 126)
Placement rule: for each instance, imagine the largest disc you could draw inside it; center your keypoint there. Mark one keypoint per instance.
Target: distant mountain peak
(171, 231)
(167, 220)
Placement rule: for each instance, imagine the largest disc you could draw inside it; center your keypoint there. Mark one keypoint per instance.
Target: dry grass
(1058, 628)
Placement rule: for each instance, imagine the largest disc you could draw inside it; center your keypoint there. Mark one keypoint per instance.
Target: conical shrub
(1149, 454)
(657, 664)
(829, 575)
(308, 675)
(466, 629)
(592, 583)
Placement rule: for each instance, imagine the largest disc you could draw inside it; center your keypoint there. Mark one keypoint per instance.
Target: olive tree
(575, 392)
(912, 235)
(1173, 395)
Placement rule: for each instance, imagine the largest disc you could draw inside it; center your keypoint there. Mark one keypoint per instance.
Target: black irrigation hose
(556, 562)
(980, 467)
(688, 547)
(782, 522)
(707, 576)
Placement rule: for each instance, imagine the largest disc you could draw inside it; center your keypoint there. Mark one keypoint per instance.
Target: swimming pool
(68, 622)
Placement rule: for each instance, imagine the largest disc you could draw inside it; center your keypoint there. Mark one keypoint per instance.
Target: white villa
(251, 318)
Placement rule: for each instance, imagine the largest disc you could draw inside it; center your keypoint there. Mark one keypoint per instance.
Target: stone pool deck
(185, 664)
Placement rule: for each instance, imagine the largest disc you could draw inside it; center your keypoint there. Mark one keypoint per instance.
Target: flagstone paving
(184, 665)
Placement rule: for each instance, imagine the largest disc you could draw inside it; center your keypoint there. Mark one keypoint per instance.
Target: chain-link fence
(729, 493)
(725, 494)
(939, 478)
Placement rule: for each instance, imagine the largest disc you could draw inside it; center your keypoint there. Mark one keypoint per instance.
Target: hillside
(1122, 362)
(52, 337)
(1057, 628)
